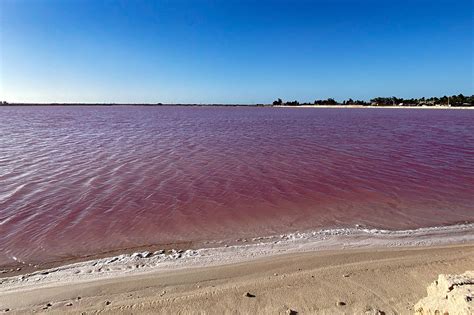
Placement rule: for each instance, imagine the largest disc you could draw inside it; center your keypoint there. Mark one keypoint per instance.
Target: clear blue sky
(233, 51)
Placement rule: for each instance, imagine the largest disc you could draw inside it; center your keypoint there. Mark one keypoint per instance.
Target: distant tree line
(454, 100)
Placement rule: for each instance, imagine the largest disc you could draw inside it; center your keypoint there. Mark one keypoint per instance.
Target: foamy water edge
(161, 261)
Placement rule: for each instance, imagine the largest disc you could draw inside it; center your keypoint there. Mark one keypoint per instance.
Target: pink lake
(87, 180)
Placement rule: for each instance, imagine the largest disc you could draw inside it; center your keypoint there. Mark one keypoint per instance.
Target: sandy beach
(325, 282)
(337, 271)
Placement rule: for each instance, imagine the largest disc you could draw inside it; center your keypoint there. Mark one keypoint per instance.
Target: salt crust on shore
(450, 294)
(330, 239)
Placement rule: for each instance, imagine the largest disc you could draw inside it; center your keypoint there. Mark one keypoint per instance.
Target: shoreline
(372, 106)
(19, 267)
(229, 105)
(389, 280)
(147, 261)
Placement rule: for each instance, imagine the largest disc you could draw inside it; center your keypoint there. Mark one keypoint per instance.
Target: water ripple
(77, 181)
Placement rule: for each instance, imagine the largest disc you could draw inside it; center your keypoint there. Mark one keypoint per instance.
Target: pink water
(85, 180)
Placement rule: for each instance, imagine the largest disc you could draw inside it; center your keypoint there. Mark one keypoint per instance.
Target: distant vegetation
(454, 100)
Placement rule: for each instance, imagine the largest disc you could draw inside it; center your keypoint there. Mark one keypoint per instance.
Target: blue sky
(233, 51)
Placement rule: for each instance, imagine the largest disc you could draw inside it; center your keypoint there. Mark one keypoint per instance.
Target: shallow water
(84, 180)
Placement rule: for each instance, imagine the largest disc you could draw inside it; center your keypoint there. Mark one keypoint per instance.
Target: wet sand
(351, 281)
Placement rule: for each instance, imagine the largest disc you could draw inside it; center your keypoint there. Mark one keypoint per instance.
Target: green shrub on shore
(454, 100)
